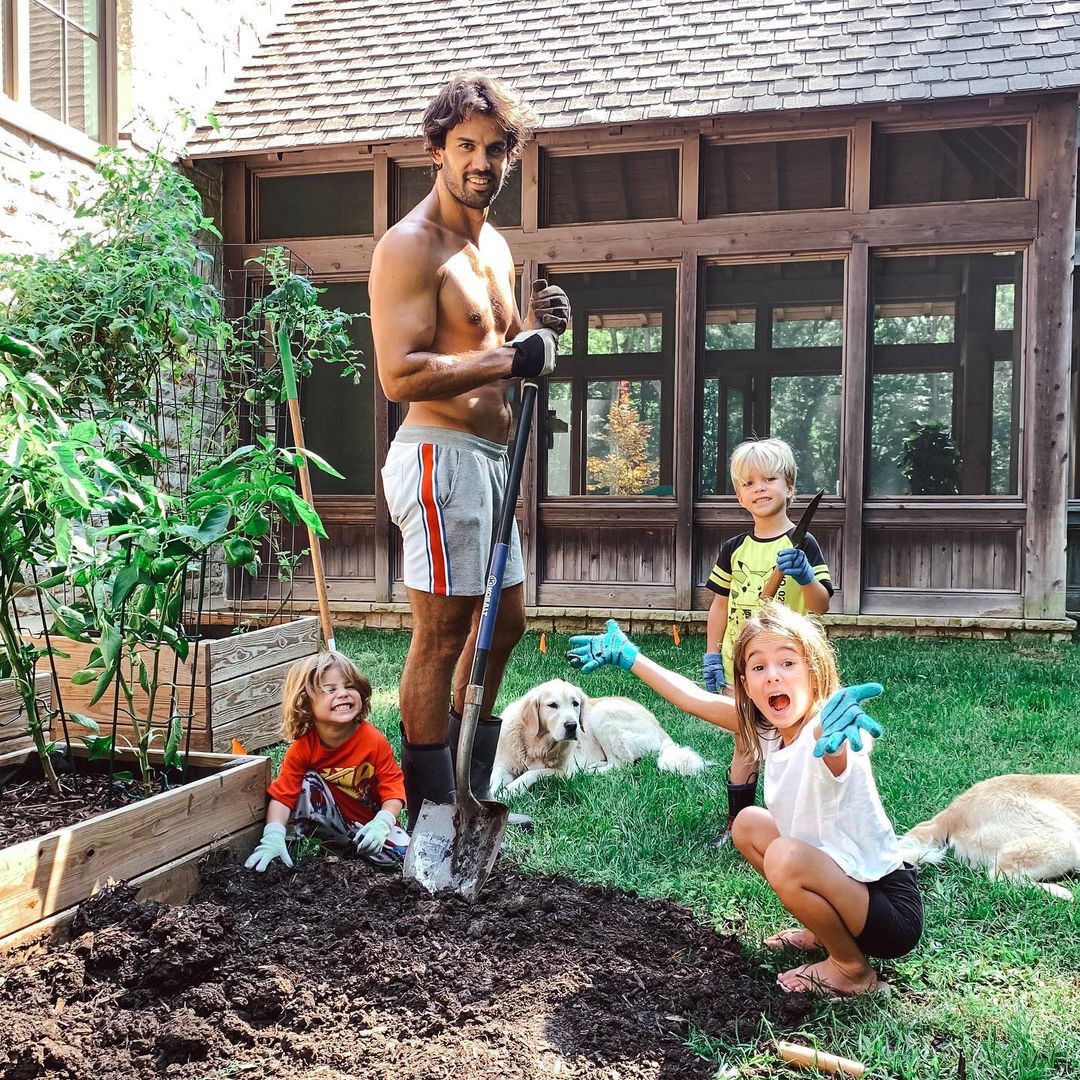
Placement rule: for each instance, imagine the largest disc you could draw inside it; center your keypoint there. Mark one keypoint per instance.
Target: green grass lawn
(996, 978)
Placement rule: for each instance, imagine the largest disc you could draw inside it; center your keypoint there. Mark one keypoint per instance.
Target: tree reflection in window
(609, 409)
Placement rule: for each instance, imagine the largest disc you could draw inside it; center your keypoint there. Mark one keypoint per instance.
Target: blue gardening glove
(794, 563)
(590, 651)
(712, 669)
(369, 838)
(843, 720)
(270, 847)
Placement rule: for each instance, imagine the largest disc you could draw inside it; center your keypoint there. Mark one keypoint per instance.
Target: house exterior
(847, 224)
(75, 76)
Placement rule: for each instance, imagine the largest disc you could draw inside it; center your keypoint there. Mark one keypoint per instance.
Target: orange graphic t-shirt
(361, 773)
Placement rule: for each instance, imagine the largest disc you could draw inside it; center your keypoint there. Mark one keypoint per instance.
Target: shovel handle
(772, 585)
(489, 611)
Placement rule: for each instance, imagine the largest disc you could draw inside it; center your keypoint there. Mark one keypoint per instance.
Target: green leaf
(85, 721)
(214, 525)
(172, 743)
(127, 577)
(100, 747)
(84, 676)
(307, 514)
(321, 462)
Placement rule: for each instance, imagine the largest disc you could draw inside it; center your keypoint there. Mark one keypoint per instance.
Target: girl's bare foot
(826, 978)
(799, 939)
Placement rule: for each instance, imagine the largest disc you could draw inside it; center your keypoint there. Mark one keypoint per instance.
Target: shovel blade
(453, 846)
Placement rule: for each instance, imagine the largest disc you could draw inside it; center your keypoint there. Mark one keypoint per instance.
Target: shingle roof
(347, 71)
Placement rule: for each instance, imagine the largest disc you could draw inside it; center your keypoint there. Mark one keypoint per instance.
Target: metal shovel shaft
(454, 846)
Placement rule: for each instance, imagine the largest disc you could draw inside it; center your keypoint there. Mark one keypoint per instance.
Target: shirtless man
(448, 336)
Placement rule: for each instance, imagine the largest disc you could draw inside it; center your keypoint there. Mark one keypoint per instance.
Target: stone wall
(171, 56)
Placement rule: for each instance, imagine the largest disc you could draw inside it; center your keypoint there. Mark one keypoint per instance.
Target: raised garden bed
(335, 971)
(13, 733)
(43, 877)
(237, 684)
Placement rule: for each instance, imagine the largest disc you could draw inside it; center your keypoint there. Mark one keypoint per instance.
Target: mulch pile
(28, 809)
(334, 971)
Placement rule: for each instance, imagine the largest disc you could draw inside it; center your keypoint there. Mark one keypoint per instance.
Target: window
(912, 167)
(55, 60)
(945, 379)
(792, 174)
(337, 412)
(609, 405)
(413, 182)
(321, 204)
(773, 345)
(632, 186)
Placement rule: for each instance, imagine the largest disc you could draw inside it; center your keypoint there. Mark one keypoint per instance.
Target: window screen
(321, 204)
(791, 174)
(413, 182)
(911, 167)
(610, 187)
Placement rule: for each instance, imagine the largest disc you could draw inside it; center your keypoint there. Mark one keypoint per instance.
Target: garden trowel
(776, 578)
(454, 845)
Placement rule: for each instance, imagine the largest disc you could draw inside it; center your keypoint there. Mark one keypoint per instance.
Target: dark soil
(333, 972)
(28, 809)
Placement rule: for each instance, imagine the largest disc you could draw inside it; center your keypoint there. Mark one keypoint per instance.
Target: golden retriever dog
(557, 730)
(1022, 827)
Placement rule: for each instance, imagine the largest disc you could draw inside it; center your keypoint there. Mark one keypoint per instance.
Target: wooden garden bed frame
(47, 876)
(237, 692)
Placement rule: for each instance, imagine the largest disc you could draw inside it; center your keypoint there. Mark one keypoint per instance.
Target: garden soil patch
(333, 971)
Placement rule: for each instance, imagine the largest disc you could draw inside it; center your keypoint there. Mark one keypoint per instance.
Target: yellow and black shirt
(742, 568)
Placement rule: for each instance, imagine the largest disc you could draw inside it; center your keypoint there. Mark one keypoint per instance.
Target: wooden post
(685, 410)
(1048, 330)
(853, 458)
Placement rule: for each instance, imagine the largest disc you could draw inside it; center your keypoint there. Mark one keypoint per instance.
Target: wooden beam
(685, 412)
(530, 187)
(859, 148)
(853, 456)
(381, 183)
(690, 193)
(1048, 328)
(1003, 222)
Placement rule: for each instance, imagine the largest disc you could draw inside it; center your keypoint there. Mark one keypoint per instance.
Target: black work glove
(534, 354)
(549, 306)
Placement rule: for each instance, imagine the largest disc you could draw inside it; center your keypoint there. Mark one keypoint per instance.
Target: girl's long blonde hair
(302, 683)
(809, 636)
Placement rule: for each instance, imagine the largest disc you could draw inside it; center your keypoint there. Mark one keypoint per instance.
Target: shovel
(454, 845)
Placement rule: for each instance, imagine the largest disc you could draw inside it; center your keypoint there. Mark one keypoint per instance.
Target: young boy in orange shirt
(339, 779)
(763, 473)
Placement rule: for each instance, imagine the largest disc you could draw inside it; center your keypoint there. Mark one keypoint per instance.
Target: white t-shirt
(840, 815)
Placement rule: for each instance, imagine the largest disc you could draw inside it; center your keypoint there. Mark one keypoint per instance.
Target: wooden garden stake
(807, 1057)
(289, 372)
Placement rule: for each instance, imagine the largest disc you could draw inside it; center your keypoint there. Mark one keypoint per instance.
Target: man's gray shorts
(445, 492)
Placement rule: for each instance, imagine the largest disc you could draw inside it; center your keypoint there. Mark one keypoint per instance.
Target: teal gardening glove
(843, 720)
(589, 651)
(270, 847)
(712, 668)
(369, 838)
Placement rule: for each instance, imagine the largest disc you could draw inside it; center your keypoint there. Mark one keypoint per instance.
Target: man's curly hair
(469, 93)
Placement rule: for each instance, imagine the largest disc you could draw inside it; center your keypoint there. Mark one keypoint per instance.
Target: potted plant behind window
(930, 460)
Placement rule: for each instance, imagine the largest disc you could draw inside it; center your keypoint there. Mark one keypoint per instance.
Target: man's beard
(470, 197)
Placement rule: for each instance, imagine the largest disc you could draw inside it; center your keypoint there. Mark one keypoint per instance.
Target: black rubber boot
(429, 774)
(739, 797)
(485, 744)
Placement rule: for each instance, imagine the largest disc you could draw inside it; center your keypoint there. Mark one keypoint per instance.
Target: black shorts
(894, 919)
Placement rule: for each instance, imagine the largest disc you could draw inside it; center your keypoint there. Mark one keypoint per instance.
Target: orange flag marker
(675, 634)
(238, 748)
(543, 643)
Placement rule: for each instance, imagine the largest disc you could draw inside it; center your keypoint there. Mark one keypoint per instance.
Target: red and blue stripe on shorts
(427, 495)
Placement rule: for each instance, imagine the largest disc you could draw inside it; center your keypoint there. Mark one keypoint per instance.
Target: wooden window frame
(847, 133)
(364, 166)
(15, 107)
(915, 127)
(555, 149)
(1021, 333)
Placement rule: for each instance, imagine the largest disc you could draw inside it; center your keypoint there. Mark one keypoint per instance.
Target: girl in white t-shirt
(824, 843)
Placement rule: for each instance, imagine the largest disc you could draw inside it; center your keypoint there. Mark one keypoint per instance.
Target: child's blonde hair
(769, 457)
(809, 636)
(302, 683)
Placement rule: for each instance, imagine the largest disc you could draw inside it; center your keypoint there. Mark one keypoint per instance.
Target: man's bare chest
(474, 298)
